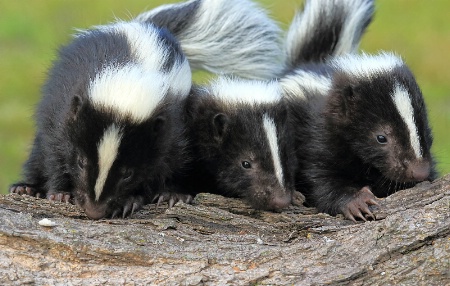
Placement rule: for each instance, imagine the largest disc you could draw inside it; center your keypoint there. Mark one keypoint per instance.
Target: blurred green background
(31, 32)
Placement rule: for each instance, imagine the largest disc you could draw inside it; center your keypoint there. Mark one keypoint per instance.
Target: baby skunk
(242, 41)
(109, 132)
(108, 116)
(231, 120)
(360, 122)
(239, 135)
(361, 131)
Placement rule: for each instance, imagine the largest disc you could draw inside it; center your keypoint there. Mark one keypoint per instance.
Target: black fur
(64, 158)
(231, 151)
(340, 160)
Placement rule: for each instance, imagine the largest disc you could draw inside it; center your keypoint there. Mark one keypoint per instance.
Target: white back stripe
(271, 133)
(365, 65)
(239, 91)
(108, 149)
(151, 55)
(129, 91)
(402, 101)
(302, 80)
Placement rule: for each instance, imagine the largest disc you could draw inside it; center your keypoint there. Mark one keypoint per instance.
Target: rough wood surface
(221, 241)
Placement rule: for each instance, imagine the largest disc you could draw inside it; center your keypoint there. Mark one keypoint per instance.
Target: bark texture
(222, 241)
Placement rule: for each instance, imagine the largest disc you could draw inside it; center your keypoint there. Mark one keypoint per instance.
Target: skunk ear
(75, 107)
(192, 105)
(342, 100)
(347, 95)
(220, 125)
(158, 124)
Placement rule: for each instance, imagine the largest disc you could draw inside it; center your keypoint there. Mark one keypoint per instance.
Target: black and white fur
(228, 125)
(326, 28)
(224, 36)
(109, 132)
(239, 134)
(342, 104)
(361, 131)
(108, 116)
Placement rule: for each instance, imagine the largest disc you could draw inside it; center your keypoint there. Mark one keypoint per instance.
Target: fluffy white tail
(223, 36)
(327, 28)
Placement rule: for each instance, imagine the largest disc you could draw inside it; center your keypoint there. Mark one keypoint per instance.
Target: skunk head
(120, 122)
(242, 126)
(377, 108)
(115, 157)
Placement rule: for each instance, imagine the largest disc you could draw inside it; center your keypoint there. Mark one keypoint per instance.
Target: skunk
(243, 41)
(107, 117)
(238, 131)
(228, 122)
(361, 132)
(109, 129)
(325, 29)
(360, 122)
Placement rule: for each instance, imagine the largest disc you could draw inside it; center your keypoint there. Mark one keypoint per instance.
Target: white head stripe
(402, 101)
(271, 133)
(108, 149)
(238, 91)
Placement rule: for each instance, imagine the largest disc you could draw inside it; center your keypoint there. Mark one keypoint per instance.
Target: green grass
(31, 32)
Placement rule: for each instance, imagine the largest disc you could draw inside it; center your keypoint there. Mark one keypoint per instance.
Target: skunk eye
(127, 174)
(81, 161)
(246, 165)
(381, 139)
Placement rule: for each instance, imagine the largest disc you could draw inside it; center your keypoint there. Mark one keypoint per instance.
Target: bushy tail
(223, 36)
(326, 28)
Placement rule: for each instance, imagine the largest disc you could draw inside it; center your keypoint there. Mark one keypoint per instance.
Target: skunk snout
(270, 197)
(419, 170)
(92, 209)
(280, 202)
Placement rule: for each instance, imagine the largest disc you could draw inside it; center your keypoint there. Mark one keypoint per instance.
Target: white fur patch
(365, 65)
(302, 25)
(152, 54)
(108, 149)
(239, 91)
(358, 12)
(129, 91)
(179, 78)
(403, 103)
(271, 133)
(301, 80)
(230, 37)
(144, 43)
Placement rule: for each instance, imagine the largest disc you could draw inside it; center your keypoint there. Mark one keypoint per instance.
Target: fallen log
(221, 240)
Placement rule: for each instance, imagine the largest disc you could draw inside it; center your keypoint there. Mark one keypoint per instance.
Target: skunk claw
(115, 214)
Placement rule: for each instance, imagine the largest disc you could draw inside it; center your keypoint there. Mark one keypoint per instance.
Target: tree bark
(218, 241)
